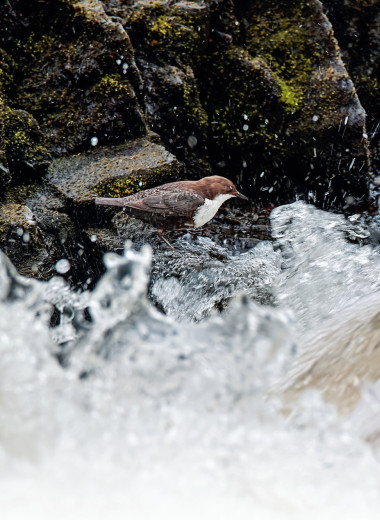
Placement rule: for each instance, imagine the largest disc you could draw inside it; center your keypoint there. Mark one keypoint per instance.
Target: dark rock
(75, 73)
(357, 29)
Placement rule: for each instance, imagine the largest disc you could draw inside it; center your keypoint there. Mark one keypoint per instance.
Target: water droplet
(245, 117)
(244, 164)
(118, 62)
(94, 141)
(93, 238)
(26, 237)
(245, 128)
(315, 118)
(192, 141)
(62, 266)
(365, 135)
(19, 232)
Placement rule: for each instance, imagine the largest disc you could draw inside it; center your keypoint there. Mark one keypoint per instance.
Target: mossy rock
(75, 74)
(22, 142)
(356, 26)
(113, 171)
(170, 32)
(275, 128)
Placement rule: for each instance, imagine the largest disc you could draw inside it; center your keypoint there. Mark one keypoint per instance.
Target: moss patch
(21, 138)
(280, 36)
(112, 85)
(242, 113)
(169, 34)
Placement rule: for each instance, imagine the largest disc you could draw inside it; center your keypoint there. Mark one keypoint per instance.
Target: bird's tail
(109, 201)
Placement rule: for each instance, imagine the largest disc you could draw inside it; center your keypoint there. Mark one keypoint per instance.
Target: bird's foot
(159, 233)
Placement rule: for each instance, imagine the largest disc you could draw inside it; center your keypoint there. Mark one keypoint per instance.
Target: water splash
(201, 277)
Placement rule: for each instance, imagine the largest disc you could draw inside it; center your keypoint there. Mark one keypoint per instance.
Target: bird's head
(216, 185)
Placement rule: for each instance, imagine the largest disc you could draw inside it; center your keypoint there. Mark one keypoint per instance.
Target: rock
(5, 175)
(113, 171)
(21, 239)
(357, 28)
(301, 127)
(22, 143)
(76, 73)
(37, 234)
(175, 112)
(287, 119)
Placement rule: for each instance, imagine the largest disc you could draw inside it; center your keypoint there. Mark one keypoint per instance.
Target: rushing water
(265, 410)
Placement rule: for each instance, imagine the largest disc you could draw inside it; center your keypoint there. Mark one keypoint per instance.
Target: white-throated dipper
(184, 204)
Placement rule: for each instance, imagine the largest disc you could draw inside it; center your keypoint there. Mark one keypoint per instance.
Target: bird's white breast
(208, 209)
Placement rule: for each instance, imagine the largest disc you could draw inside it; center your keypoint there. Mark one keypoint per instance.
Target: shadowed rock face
(357, 28)
(255, 91)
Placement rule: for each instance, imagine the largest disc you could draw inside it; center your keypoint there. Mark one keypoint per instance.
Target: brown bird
(182, 205)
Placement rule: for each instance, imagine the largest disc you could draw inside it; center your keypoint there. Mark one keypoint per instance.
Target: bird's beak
(241, 196)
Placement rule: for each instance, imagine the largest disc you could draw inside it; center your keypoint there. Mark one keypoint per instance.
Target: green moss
(20, 138)
(192, 107)
(290, 97)
(7, 68)
(112, 85)
(18, 194)
(165, 32)
(139, 180)
(280, 36)
(242, 113)
(2, 224)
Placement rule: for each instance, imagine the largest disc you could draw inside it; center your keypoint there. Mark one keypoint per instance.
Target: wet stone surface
(112, 171)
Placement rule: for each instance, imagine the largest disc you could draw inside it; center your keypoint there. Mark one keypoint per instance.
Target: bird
(180, 206)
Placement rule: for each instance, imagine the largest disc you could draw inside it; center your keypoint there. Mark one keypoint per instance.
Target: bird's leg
(159, 233)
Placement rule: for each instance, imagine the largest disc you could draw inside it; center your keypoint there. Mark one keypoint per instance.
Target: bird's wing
(180, 203)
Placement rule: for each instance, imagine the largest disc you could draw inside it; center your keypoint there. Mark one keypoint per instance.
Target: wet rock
(175, 112)
(75, 73)
(22, 143)
(357, 28)
(312, 137)
(5, 175)
(21, 239)
(122, 228)
(38, 233)
(113, 171)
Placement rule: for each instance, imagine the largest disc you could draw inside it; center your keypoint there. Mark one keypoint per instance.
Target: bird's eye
(230, 188)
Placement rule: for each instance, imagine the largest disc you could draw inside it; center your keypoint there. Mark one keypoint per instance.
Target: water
(155, 416)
